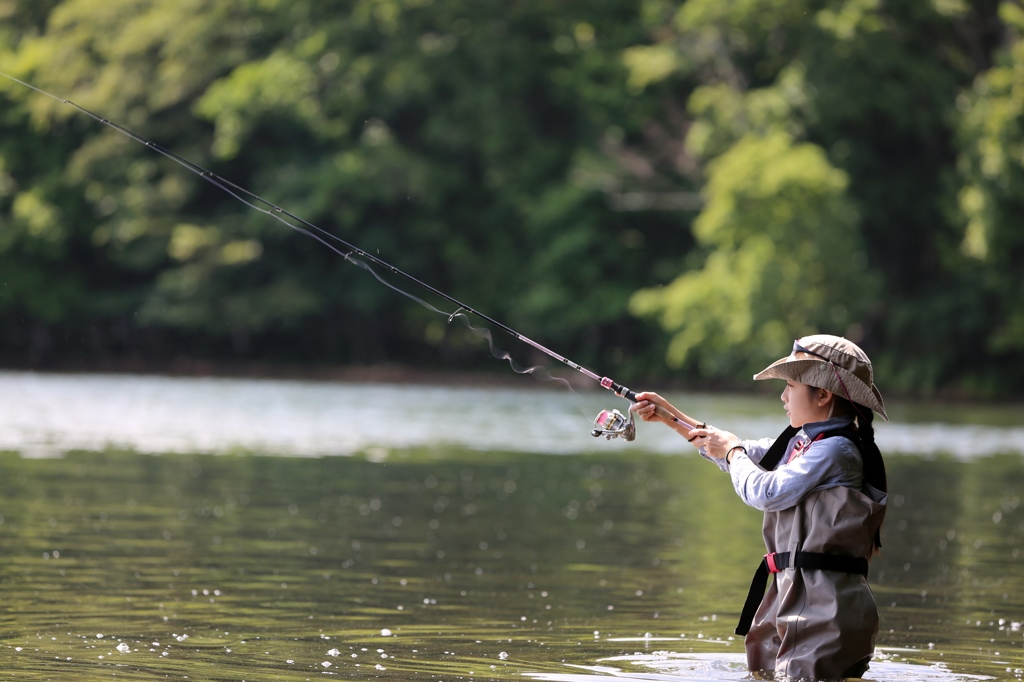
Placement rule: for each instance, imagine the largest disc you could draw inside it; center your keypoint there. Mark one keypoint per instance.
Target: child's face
(801, 403)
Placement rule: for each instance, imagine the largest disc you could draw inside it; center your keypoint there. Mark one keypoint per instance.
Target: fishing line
(609, 423)
(539, 371)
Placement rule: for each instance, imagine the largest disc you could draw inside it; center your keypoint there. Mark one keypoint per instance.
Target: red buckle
(772, 566)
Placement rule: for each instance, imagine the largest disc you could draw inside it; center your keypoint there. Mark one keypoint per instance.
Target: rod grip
(618, 389)
(665, 414)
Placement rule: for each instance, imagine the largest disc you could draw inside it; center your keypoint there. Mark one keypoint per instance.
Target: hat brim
(821, 374)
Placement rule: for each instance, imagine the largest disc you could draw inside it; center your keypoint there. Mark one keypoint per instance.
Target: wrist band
(734, 447)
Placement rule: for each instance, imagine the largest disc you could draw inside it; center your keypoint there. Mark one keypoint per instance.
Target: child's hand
(646, 407)
(716, 443)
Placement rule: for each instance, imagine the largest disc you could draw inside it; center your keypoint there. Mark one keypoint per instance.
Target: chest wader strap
(780, 561)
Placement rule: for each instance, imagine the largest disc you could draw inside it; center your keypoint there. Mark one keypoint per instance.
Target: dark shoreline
(384, 373)
(502, 376)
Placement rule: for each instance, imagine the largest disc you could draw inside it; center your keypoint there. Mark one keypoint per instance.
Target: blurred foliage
(893, 110)
(991, 196)
(628, 182)
(775, 219)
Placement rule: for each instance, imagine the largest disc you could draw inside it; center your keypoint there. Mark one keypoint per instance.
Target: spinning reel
(611, 424)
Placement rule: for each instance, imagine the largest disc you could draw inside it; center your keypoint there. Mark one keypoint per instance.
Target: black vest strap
(776, 452)
(812, 561)
(774, 455)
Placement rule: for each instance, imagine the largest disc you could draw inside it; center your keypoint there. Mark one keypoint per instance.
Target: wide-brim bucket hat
(832, 363)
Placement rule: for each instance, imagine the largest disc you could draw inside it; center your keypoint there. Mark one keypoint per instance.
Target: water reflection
(47, 415)
(456, 564)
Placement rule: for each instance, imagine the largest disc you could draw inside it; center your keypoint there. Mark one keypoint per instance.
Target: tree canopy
(635, 183)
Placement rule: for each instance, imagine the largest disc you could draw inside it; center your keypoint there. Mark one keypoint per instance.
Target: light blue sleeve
(828, 463)
(757, 449)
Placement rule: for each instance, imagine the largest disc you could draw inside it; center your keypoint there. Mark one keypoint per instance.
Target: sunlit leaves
(853, 162)
(992, 168)
(649, 64)
(423, 132)
(855, 16)
(881, 91)
(120, 55)
(281, 84)
(38, 218)
(723, 115)
(783, 258)
(191, 241)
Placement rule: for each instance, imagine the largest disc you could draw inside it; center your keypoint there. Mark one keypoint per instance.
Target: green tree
(992, 202)
(872, 89)
(736, 173)
(456, 139)
(783, 258)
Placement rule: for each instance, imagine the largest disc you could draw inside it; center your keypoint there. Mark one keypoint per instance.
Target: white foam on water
(705, 667)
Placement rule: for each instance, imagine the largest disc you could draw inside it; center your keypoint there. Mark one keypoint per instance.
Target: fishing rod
(609, 423)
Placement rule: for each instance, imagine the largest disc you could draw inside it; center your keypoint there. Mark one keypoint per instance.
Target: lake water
(47, 415)
(296, 531)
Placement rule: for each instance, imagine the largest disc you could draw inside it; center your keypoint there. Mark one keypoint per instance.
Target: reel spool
(611, 424)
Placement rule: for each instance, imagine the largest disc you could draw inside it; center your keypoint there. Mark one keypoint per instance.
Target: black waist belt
(779, 561)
